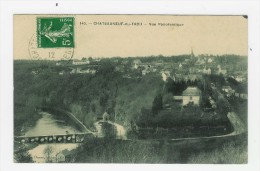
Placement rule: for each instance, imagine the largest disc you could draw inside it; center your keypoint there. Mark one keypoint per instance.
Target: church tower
(192, 54)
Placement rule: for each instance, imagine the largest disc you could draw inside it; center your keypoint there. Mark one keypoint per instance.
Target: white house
(212, 102)
(210, 60)
(165, 75)
(80, 62)
(207, 71)
(88, 71)
(106, 116)
(191, 95)
(243, 96)
(137, 63)
(226, 89)
(240, 78)
(221, 71)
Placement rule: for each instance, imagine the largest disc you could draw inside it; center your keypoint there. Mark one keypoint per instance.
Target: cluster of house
(208, 69)
(192, 95)
(212, 102)
(239, 76)
(191, 68)
(145, 67)
(200, 65)
(231, 92)
(83, 61)
(204, 60)
(79, 70)
(76, 66)
(73, 62)
(180, 77)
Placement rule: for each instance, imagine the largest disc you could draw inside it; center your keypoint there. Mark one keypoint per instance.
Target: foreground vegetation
(232, 150)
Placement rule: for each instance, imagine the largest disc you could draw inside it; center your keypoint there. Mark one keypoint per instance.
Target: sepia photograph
(147, 89)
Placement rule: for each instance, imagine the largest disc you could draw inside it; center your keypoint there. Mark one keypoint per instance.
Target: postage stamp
(55, 32)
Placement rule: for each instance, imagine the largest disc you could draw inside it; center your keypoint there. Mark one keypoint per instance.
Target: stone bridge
(49, 139)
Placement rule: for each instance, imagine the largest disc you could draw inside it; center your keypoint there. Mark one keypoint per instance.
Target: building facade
(192, 95)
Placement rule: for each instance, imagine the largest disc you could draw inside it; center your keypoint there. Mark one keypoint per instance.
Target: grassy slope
(232, 150)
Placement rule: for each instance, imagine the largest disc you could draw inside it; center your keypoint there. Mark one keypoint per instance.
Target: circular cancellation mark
(36, 53)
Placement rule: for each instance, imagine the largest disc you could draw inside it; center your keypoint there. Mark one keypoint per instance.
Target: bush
(229, 153)
(117, 151)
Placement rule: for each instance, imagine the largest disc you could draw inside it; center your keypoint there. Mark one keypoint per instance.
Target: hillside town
(186, 68)
(196, 80)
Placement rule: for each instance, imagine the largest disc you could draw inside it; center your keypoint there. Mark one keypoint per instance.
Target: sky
(215, 35)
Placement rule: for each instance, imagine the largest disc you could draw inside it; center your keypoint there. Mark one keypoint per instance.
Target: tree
(103, 100)
(167, 98)
(48, 151)
(106, 69)
(23, 157)
(90, 59)
(232, 81)
(223, 106)
(157, 104)
(205, 103)
(190, 115)
(145, 118)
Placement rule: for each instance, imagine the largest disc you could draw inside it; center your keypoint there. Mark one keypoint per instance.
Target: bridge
(60, 138)
(48, 139)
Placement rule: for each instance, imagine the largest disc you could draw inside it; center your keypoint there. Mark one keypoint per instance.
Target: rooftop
(191, 91)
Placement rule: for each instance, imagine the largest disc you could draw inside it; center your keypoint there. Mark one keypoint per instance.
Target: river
(50, 124)
(58, 124)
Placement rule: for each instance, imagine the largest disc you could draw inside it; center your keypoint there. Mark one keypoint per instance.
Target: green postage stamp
(55, 32)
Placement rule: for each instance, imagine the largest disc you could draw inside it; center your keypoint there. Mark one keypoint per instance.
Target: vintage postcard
(130, 89)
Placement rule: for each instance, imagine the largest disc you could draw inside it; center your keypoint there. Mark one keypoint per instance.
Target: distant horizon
(148, 56)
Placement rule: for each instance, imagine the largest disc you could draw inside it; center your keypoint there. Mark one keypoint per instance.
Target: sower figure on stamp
(53, 35)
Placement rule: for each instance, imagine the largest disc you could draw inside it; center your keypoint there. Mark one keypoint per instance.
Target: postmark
(53, 32)
(36, 53)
